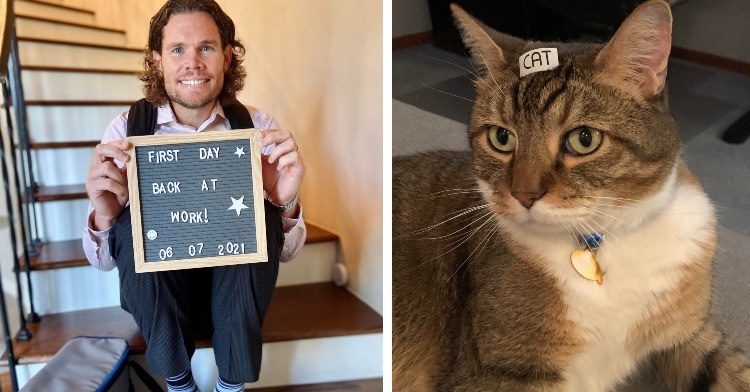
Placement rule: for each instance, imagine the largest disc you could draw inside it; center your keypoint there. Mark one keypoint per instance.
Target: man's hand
(283, 169)
(107, 184)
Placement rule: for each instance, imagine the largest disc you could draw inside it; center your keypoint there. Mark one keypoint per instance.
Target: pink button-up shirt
(95, 243)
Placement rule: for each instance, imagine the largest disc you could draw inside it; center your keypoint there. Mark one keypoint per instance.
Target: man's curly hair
(234, 78)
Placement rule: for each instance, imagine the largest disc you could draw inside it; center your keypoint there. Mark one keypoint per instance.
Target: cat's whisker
(459, 230)
(462, 237)
(575, 225)
(475, 74)
(453, 95)
(628, 201)
(595, 210)
(455, 247)
(593, 230)
(455, 191)
(486, 237)
(458, 214)
(501, 94)
(489, 71)
(602, 227)
(475, 189)
(496, 229)
(454, 194)
(570, 231)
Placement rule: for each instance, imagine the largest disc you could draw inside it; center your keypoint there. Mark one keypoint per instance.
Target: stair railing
(27, 166)
(12, 229)
(26, 173)
(24, 334)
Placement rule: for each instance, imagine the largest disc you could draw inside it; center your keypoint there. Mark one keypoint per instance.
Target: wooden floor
(296, 312)
(375, 384)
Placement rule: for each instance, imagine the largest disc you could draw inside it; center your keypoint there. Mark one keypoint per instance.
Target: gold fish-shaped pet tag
(584, 261)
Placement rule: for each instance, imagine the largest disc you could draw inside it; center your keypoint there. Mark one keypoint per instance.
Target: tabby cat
(486, 296)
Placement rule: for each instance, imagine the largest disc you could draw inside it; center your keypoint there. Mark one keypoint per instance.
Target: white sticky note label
(536, 60)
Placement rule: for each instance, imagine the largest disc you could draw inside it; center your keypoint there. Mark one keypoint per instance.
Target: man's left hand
(283, 169)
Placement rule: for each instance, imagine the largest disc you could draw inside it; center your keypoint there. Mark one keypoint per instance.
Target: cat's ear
(637, 55)
(484, 43)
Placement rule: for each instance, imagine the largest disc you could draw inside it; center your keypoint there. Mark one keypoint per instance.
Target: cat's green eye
(583, 140)
(501, 139)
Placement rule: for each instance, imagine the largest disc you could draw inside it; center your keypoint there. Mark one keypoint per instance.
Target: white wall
(410, 17)
(719, 27)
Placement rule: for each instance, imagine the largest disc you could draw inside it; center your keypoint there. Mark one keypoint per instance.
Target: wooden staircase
(305, 308)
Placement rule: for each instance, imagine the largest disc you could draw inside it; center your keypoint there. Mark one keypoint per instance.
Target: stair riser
(70, 123)
(56, 13)
(44, 54)
(62, 220)
(29, 28)
(49, 85)
(70, 289)
(50, 172)
(308, 361)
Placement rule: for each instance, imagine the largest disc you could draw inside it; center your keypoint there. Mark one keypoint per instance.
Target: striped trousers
(171, 307)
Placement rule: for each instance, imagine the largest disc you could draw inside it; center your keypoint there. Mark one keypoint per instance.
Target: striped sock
(182, 382)
(226, 386)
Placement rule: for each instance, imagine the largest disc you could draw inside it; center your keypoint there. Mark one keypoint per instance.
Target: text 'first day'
(173, 155)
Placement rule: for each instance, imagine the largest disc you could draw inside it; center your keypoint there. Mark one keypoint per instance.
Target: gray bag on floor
(85, 364)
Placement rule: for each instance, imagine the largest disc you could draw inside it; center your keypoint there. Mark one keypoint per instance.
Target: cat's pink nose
(527, 199)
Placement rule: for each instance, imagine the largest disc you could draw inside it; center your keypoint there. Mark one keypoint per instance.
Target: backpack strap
(142, 118)
(238, 115)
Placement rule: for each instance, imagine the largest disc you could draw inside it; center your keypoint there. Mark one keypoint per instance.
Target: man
(193, 69)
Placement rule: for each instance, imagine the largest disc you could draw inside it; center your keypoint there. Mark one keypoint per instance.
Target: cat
(486, 296)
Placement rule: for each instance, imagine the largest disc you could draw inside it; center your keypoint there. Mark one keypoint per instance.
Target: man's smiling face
(192, 60)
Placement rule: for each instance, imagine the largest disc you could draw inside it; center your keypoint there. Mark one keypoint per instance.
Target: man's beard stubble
(175, 97)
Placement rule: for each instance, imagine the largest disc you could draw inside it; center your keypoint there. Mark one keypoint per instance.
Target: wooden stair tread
(307, 311)
(373, 384)
(57, 254)
(318, 234)
(67, 7)
(69, 144)
(45, 102)
(5, 382)
(85, 70)
(61, 192)
(88, 45)
(67, 23)
(69, 253)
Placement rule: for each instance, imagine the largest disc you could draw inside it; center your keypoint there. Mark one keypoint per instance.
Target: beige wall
(317, 66)
(410, 17)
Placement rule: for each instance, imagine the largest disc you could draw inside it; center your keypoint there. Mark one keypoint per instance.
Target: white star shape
(237, 205)
(240, 152)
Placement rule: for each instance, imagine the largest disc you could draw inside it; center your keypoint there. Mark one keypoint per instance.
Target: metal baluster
(13, 242)
(24, 333)
(14, 71)
(32, 317)
(19, 106)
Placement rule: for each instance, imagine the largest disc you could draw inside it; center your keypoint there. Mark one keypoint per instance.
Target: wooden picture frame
(136, 170)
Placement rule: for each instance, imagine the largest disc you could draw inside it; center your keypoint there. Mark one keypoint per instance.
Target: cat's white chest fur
(638, 265)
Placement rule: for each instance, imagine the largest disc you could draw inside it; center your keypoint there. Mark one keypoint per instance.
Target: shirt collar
(165, 115)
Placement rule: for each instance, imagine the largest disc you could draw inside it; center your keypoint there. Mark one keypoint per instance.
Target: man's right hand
(107, 184)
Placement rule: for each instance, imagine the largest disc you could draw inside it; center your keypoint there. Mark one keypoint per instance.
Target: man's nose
(193, 60)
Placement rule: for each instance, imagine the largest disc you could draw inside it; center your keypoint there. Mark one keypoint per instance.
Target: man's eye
(206, 48)
(177, 50)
